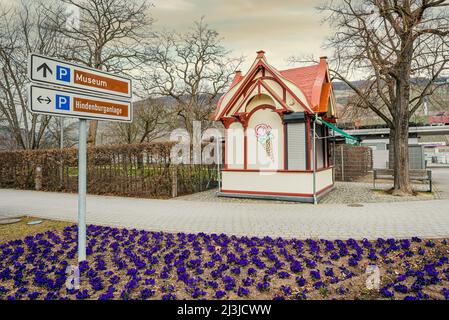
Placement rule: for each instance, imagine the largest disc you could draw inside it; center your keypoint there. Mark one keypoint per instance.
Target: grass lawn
(22, 229)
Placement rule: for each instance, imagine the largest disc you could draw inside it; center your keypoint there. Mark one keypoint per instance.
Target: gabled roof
(312, 81)
(303, 77)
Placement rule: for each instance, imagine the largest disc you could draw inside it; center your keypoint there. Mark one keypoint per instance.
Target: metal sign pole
(82, 175)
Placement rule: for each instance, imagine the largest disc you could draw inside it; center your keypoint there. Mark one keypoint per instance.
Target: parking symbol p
(63, 74)
(62, 102)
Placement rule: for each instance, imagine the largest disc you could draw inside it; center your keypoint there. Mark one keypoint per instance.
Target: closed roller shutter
(319, 147)
(296, 146)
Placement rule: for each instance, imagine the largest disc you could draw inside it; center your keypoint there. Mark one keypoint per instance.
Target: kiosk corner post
(82, 177)
(218, 158)
(314, 160)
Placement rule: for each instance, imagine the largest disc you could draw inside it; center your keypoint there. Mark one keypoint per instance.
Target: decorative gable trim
(261, 65)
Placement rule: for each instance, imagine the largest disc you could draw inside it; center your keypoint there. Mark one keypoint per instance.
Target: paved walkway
(440, 177)
(427, 219)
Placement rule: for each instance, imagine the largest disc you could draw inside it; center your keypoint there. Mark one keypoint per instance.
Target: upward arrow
(44, 67)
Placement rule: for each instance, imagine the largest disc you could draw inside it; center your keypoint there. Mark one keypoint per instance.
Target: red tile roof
(304, 78)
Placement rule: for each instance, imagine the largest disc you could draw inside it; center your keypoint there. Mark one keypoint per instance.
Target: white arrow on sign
(68, 103)
(65, 74)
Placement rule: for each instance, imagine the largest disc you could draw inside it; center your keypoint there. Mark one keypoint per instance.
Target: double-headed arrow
(44, 67)
(40, 99)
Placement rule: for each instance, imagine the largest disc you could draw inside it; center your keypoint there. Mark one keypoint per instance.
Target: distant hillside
(342, 86)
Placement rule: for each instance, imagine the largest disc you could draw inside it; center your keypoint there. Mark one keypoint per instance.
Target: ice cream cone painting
(265, 138)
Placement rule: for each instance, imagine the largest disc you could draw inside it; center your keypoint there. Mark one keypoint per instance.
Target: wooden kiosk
(271, 118)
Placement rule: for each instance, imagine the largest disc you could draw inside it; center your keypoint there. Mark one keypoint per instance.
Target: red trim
(228, 121)
(318, 85)
(253, 86)
(252, 73)
(288, 89)
(325, 189)
(284, 105)
(262, 107)
(257, 67)
(285, 194)
(260, 84)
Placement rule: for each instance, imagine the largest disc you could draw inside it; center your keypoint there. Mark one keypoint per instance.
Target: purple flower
(295, 266)
(386, 293)
(220, 294)
(263, 286)
(252, 271)
(446, 293)
(318, 285)
(169, 296)
(300, 281)
(146, 293)
(315, 274)
(241, 292)
(401, 288)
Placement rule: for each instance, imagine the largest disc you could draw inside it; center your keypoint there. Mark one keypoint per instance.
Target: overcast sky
(281, 28)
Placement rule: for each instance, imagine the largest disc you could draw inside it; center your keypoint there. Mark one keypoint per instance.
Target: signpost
(55, 72)
(68, 103)
(68, 90)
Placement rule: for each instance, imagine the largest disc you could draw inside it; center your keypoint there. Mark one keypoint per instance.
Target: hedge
(142, 170)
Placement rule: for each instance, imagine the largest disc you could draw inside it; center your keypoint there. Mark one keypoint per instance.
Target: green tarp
(349, 139)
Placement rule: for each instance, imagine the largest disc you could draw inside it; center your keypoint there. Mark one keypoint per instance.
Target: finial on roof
(260, 53)
(323, 58)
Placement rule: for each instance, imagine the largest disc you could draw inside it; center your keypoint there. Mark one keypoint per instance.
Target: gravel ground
(344, 193)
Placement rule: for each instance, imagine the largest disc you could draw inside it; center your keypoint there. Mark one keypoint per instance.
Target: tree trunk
(402, 184)
(92, 134)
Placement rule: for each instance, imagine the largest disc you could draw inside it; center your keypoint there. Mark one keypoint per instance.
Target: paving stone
(428, 219)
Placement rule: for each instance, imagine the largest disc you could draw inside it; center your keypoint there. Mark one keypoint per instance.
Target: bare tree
(111, 35)
(193, 68)
(152, 120)
(52, 138)
(389, 43)
(23, 30)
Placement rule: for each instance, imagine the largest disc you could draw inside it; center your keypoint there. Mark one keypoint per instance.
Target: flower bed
(132, 264)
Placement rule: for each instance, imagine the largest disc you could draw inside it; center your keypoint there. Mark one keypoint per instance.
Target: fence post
(174, 179)
(342, 164)
(38, 178)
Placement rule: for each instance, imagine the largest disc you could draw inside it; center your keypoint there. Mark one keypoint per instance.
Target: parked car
(441, 118)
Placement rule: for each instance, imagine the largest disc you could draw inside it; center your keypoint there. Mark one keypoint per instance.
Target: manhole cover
(355, 205)
(9, 220)
(32, 223)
